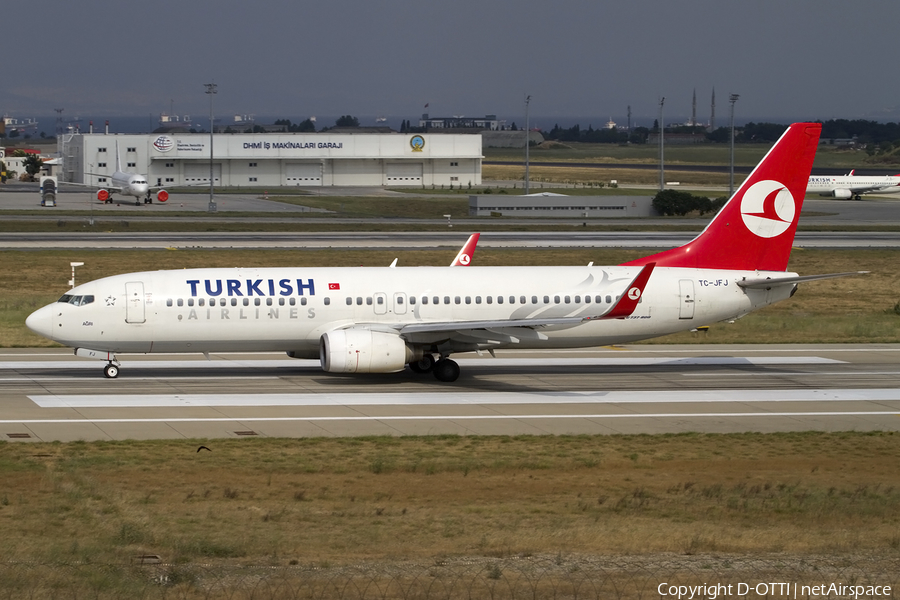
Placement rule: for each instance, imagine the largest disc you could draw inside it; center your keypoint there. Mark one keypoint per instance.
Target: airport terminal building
(277, 159)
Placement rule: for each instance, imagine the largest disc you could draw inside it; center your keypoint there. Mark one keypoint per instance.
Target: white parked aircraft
(381, 319)
(127, 184)
(851, 186)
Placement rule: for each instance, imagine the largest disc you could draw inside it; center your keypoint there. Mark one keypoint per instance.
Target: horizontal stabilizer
(768, 282)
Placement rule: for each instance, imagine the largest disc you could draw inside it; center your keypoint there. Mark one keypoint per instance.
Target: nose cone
(41, 321)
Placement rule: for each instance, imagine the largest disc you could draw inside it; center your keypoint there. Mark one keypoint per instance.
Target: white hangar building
(277, 159)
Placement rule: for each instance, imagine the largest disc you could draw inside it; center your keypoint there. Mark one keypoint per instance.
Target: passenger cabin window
(327, 301)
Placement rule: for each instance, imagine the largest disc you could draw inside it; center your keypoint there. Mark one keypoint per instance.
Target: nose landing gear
(111, 371)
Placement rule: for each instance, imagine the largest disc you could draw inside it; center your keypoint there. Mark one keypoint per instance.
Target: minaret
(629, 118)
(694, 109)
(712, 112)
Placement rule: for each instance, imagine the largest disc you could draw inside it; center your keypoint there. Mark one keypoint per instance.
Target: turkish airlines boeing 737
(852, 186)
(381, 319)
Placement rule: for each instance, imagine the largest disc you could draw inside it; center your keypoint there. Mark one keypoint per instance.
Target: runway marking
(794, 374)
(452, 417)
(176, 378)
(78, 401)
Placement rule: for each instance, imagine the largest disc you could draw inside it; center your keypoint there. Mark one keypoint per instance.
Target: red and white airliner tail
(464, 258)
(755, 228)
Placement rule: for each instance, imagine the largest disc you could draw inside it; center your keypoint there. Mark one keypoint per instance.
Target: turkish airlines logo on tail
(768, 208)
(634, 293)
(464, 259)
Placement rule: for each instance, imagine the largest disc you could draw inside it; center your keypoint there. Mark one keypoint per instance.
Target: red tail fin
(756, 227)
(464, 258)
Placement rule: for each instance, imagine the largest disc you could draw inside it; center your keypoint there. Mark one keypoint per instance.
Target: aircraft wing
(620, 310)
(113, 188)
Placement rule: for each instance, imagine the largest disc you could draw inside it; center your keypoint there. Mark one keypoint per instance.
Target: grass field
(329, 501)
(745, 155)
(851, 309)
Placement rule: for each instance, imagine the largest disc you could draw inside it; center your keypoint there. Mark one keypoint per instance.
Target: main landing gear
(444, 369)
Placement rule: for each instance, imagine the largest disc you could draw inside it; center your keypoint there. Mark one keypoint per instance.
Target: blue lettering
(234, 287)
(193, 283)
(271, 287)
(248, 145)
(218, 290)
(286, 289)
(254, 285)
(311, 286)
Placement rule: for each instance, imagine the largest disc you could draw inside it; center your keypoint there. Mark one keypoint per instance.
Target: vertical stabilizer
(755, 229)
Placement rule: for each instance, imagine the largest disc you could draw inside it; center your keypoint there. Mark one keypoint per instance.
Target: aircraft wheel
(110, 371)
(423, 365)
(446, 370)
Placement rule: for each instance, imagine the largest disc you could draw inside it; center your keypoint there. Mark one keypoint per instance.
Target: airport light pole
(662, 128)
(732, 98)
(527, 143)
(211, 90)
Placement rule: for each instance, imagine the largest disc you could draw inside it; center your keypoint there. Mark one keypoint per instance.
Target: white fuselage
(289, 309)
(847, 186)
(131, 184)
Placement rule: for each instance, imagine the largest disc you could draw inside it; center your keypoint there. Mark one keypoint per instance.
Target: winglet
(629, 300)
(464, 258)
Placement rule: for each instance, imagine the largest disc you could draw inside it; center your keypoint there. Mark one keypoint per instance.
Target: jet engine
(102, 195)
(841, 193)
(363, 351)
(162, 195)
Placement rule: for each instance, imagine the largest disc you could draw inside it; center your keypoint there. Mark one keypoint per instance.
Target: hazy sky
(806, 59)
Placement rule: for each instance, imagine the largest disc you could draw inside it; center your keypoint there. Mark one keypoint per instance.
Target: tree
(32, 164)
(347, 121)
(674, 202)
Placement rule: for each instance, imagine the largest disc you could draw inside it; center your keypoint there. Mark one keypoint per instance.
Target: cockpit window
(76, 300)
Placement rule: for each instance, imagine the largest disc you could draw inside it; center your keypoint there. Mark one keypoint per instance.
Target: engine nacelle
(102, 195)
(162, 195)
(363, 351)
(841, 193)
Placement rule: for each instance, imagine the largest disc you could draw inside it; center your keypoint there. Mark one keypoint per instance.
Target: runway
(49, 395)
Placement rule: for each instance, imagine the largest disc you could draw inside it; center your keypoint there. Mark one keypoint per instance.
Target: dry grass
(572, 173)
(852, 309)
(343, 500)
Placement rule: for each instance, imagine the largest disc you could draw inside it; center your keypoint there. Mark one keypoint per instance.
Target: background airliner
(851, 186)
(382, 319)
(127, 184)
